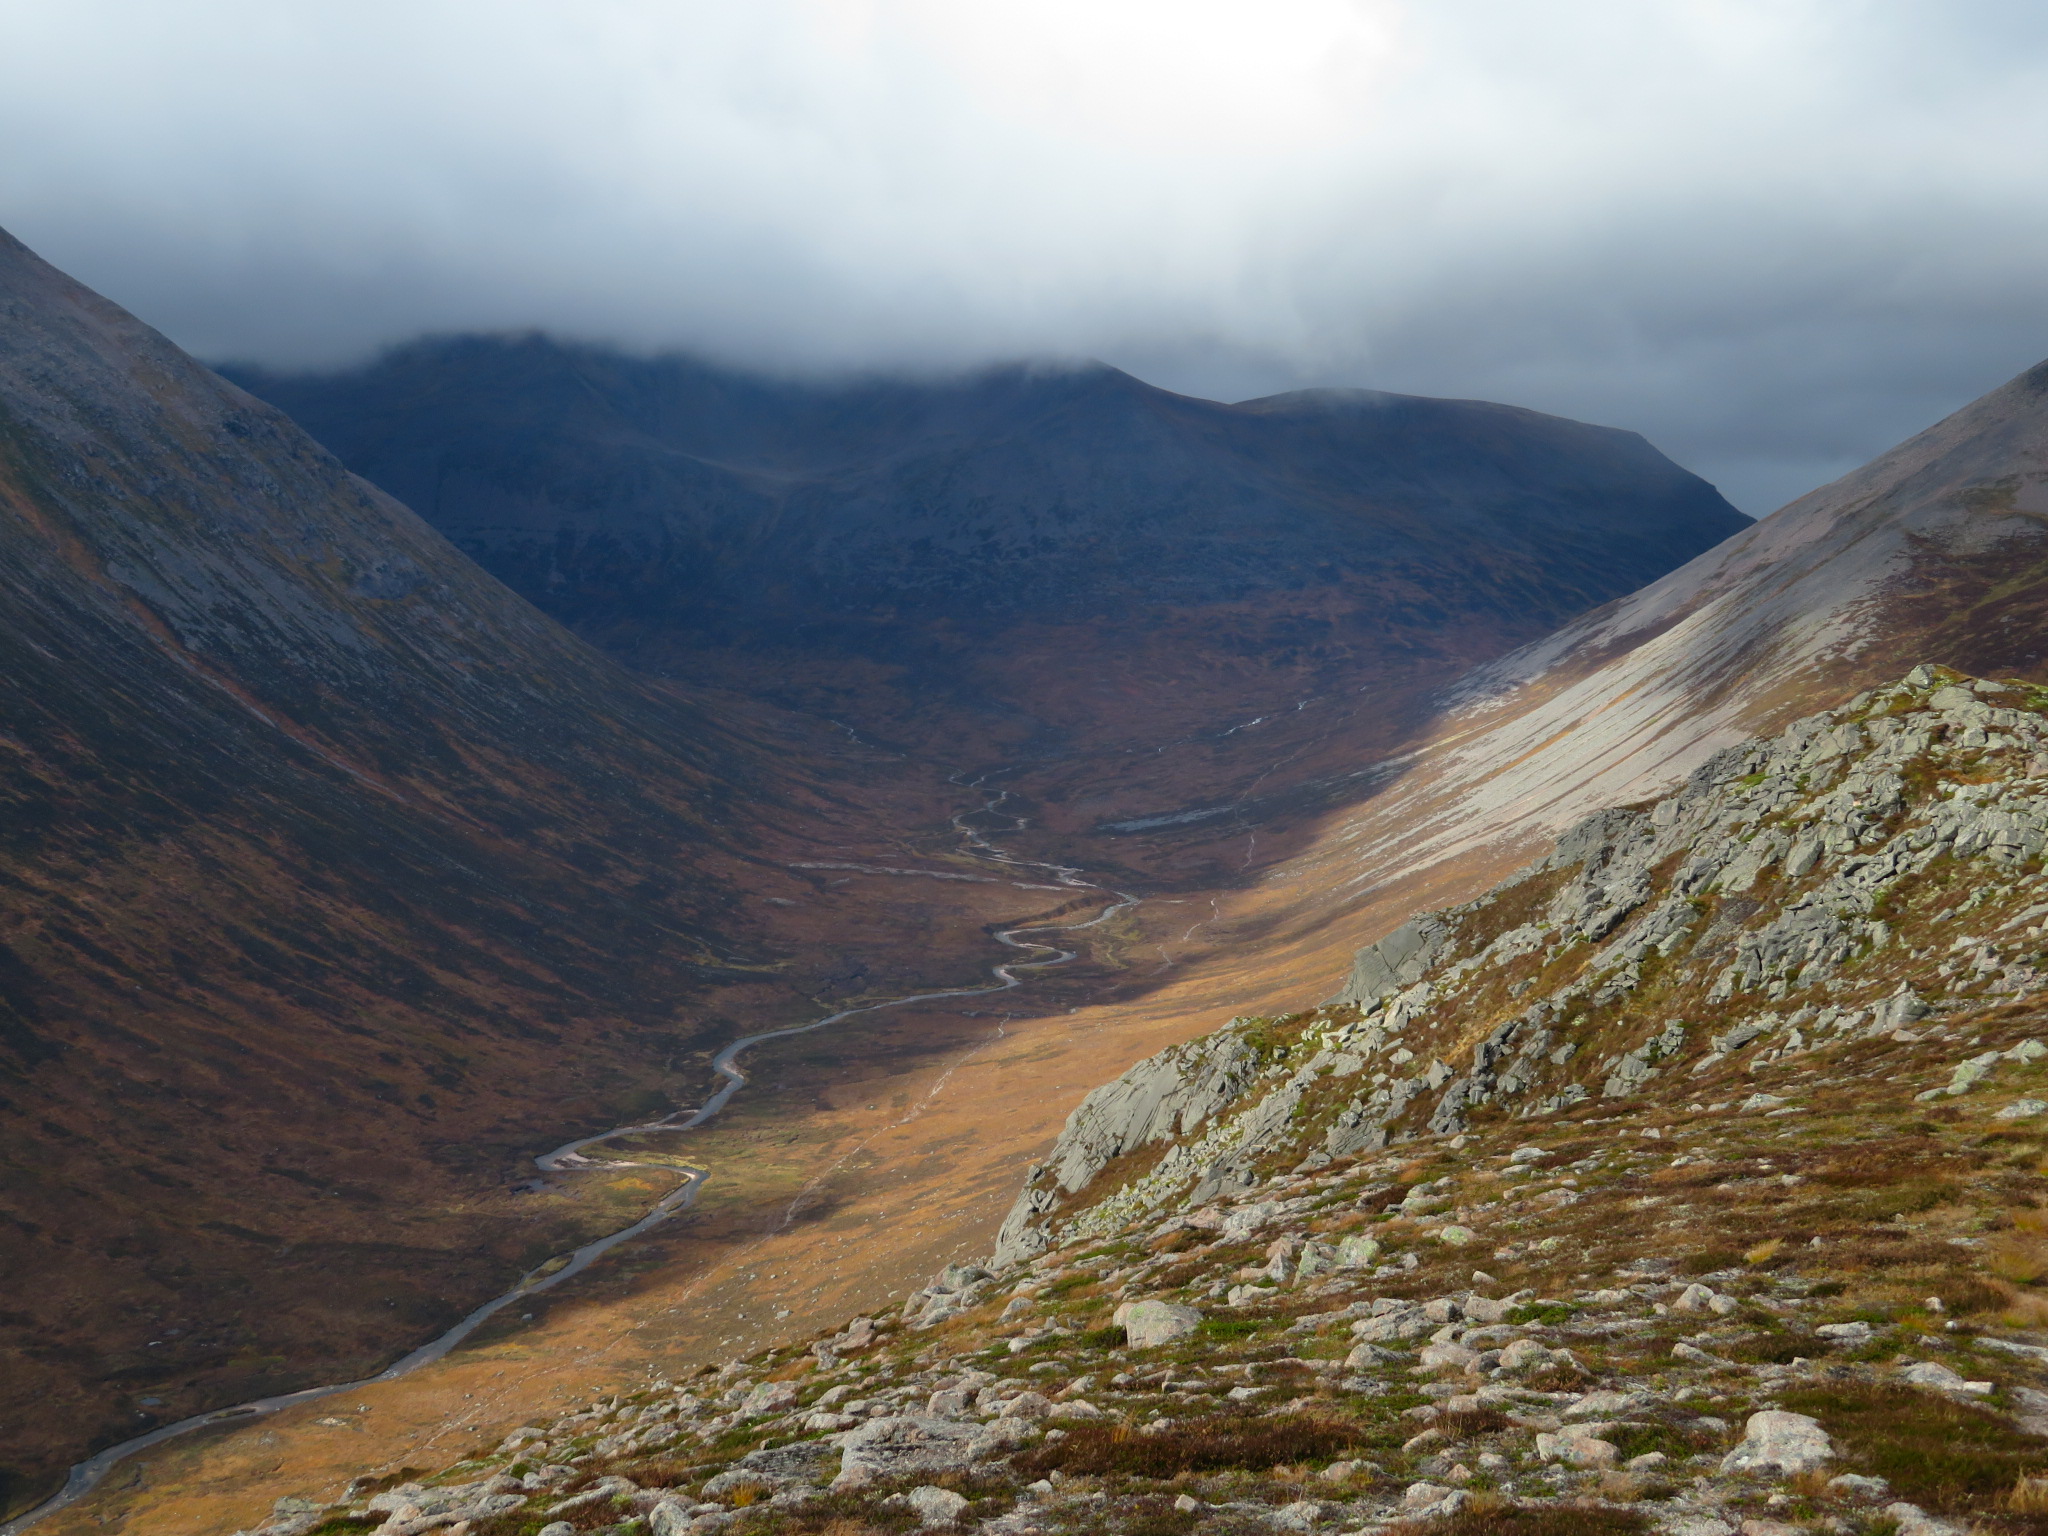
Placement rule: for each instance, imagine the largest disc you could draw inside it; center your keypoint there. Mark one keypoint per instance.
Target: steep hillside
(337, 879)
(1025, 561)
(1688, 1182)
(1935, 551)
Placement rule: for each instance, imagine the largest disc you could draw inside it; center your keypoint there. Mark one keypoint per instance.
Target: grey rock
(1166, 1095)
(937, 1506)
(1777, 1441)
(1939, 1378)
(1399, 960)
(1149, 1324)
(1915, 1521)
(902, 1445)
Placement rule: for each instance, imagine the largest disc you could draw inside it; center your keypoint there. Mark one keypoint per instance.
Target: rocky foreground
(1689, 1182)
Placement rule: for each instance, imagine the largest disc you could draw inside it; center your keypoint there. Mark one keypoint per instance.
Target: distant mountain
(1936, 552)
(1065, 557)
(334, 874)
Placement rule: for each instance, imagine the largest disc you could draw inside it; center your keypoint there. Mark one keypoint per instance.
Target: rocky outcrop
(1774, 901)
(1399, 960)
(1169, 1095)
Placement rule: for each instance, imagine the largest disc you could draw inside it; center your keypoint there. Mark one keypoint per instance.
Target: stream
(88, 1474)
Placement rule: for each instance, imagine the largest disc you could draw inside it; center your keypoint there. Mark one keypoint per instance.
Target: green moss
(1230, 1327)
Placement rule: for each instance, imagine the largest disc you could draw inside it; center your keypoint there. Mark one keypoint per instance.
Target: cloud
(1772, 234)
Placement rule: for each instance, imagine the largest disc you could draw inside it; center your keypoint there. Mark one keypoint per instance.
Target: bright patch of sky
(1774, 235)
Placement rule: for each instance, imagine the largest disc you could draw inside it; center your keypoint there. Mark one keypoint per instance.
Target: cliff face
(334, 877)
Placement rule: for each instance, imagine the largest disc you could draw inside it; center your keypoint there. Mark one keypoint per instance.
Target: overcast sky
(1774, 235)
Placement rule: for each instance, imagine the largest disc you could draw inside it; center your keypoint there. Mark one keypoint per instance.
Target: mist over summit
(875, 545)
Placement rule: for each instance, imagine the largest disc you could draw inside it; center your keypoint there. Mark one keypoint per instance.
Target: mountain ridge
(1046, 565)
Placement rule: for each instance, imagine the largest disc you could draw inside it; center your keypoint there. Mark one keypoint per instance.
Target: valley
(943, 747)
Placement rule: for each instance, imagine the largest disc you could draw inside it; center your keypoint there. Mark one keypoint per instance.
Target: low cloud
(1774, 235)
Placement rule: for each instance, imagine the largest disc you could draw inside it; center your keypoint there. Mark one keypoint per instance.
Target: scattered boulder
(1939, 1378)
(1301, 1515)
(1393, 1327)
(1436, 1357)
(1777, 1441)
(1526, 1355)
(1694, 1298)
(1605, 1405)
(1914, 1521)
(1484, 1309)
(1357, 1251)
(902, 1445)
(1579, 1446)
(770, 1397)
(1149, 1324)
(936, 1506)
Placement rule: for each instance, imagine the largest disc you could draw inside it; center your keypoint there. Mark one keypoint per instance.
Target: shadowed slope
(333, 873)
(1025, 561)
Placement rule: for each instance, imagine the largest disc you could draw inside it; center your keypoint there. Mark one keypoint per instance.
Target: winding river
(88, 1474)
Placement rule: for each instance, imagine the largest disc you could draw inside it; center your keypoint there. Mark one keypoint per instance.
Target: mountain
(1934, 552)
(1687, 1174)
(337, 879)
(1022, 562)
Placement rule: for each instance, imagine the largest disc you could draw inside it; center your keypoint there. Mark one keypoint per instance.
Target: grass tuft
(1204, 1445)
(1950, 1457)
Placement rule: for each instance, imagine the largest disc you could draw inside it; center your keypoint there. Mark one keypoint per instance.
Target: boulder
(1356, 1252)
(1393, 1327)
(1436, 1357)
(902, 1445)
(1364, 1357)
(770, 1397)
(1301, 1515)
(1525, 1355)
(1777, 1441)
(1149, 1324)
(1578, 1445)
(936, 1506)
(1605, 1405)
(1027, 1406)
(1912, 1520)
(1939, 1378)
(1484, 1309)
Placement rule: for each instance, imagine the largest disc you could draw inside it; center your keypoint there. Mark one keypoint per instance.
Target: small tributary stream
(88, 1474)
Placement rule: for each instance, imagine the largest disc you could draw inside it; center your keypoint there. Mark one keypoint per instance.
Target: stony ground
(1753, 1241)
